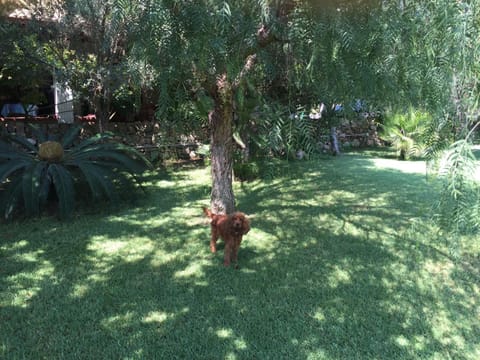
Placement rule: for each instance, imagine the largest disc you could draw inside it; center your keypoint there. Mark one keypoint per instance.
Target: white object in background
(63, 97)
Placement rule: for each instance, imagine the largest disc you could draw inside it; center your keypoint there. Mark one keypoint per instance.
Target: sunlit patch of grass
(25, 285)
(128, 251)
(156, 317)
(194, 269)
(407, 167)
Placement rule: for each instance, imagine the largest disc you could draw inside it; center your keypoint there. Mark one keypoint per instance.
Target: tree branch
(265, 36)
(249, 64)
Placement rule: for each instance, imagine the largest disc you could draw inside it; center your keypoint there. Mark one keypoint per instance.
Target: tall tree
(210, 48)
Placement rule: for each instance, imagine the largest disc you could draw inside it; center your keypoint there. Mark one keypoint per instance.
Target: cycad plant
(31, 175)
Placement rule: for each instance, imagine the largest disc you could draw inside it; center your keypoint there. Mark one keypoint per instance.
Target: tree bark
(221, 147)
(102, 104)
(101, 114)
(334, 147)
(221, 127)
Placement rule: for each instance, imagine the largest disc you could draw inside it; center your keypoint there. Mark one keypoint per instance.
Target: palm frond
(37, 133)
(86, 143)
(11, 197)
(116, 154)
(31, 180)
(23, 141)
(98, 179)
(10, 153)
(103, 163)
(70, 136)
(10, 167)
(64, 187)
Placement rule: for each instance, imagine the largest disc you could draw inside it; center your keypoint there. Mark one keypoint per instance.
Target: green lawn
(341, 263)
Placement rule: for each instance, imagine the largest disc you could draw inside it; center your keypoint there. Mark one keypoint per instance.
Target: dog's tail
(207, 212)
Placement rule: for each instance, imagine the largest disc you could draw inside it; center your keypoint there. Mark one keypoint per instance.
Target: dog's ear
(245, 225)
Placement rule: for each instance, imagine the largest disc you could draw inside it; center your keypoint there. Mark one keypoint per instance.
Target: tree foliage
(205, 53)
(192, 43)
(90, 46)
(229, 58)
(283, 133)
(335, 53)
(435, 63)
(457, 209)
(22, 70)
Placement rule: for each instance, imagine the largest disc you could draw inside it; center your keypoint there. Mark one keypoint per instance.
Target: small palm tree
(29, 172)
(404, 132)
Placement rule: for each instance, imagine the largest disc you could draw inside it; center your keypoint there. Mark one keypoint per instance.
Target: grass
(340, 264)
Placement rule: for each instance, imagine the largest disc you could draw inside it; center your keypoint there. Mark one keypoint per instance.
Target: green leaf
(119, 155)
(9, 152)
(98, 179)
(12, 197)
(63, 182)
(23, 141)
(31, 180)
(70, 136)
(88, 142)
(10, 167)
(37, 133)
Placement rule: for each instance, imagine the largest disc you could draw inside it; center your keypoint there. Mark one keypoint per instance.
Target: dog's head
(240, 223)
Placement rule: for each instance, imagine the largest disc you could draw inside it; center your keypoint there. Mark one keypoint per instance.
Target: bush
(282, 133)
(32, 175)
(247, 171)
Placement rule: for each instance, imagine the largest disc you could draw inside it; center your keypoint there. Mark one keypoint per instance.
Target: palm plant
(29, 172)
(404, 132)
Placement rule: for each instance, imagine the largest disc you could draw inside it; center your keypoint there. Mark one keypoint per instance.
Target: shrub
(31, 175)
(247, 171)
(282, 133)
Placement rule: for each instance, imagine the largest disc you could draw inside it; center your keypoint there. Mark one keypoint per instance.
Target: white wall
(63, 97)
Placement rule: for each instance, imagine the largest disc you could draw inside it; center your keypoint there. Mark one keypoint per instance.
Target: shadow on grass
(324, 273)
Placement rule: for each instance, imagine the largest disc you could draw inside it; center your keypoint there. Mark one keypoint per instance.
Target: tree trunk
(221, 120)
(221, 146)
(102, 109)
(100, 116)
(334, 147)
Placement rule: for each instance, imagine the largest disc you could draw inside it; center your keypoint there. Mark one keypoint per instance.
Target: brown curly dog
(231, 229)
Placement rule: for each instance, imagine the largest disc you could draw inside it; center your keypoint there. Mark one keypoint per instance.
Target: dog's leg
(235, 249)
(213, 241)
(234, 256)
(228, 253)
